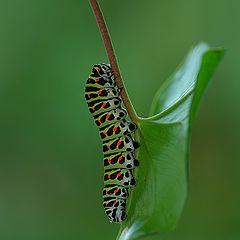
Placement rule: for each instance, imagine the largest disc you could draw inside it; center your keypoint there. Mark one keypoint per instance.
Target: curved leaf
(159, 197)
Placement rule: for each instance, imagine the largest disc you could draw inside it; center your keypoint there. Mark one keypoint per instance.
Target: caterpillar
(105, 104)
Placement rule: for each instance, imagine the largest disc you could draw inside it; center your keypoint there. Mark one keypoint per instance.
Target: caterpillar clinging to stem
(105, 104)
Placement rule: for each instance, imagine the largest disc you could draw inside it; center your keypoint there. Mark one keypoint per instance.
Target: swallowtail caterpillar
(105, 104)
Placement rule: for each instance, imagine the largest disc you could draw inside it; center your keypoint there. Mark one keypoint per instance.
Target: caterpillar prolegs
(105, 104)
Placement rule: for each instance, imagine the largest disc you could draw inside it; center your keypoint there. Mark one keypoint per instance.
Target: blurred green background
(50, 152)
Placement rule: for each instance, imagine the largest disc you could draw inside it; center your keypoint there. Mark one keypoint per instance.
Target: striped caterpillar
(105, 104)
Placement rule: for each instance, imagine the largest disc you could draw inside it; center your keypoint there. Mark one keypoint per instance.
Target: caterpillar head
(102, 70)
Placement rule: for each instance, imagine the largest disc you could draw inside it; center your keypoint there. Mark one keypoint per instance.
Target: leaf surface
(158, 199)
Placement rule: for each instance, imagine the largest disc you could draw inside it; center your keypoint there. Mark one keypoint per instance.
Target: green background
(50, 153)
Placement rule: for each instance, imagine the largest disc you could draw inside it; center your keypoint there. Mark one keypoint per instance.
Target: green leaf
(157, 201)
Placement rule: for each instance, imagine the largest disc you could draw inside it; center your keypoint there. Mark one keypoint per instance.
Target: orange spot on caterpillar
(109, 160)
(119, 143)
(115, 202)
(99, 120)
(104, 104)
(116, 190)
(108, 146)
(109, 176)
(120, 158)
(108, 116)
(89, 96)
(119, 174)
(114, 129)
(106, 190)
(100, 92)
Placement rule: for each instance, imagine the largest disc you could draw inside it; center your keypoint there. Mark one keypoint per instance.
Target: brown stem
(112, 59)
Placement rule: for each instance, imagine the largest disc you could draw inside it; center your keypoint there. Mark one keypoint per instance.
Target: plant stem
(112, 59)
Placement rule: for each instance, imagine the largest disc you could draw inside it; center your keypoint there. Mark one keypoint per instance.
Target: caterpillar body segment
(122, 177)
(110, 118)
(121, 144)
(116, 214)
(105, 106)
(120, 128)
(102, 94)
(120, 160)
(99, 83)
(115, 192)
